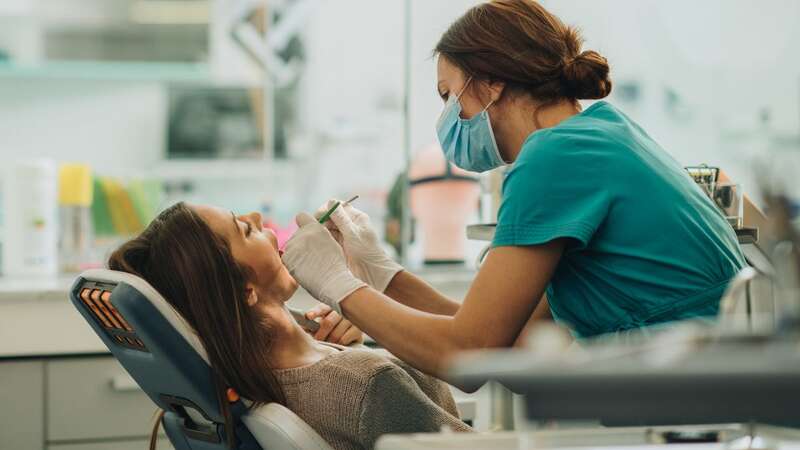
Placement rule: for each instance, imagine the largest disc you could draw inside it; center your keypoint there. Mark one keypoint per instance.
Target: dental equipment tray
(725, 382)
(481, 231)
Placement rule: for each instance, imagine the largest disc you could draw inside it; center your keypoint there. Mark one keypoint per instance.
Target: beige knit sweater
(355, 395)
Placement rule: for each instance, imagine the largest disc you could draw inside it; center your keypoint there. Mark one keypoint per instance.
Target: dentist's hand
(365, 257)
(317, 262)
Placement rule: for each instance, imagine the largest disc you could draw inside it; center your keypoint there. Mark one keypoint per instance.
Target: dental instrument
(324, 218)
(327, 215)
(300, 317)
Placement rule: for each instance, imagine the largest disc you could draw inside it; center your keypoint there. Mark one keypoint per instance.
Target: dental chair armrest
(276, 427)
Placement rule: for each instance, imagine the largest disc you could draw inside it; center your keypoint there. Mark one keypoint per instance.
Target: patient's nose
(259, 221)
(272, 235)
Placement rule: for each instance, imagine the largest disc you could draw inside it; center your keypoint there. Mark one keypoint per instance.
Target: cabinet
(76, 403)
(21, 405)
(90, 398)
(163, 444)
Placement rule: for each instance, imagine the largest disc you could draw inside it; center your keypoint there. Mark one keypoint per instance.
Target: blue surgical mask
(468, 143)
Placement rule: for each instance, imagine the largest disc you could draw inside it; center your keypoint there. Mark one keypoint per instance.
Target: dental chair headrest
(167, 311)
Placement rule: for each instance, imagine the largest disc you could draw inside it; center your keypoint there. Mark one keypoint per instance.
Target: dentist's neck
(519, 123)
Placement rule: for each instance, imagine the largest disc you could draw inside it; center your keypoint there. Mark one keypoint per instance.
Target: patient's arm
(394, 403)
(412, 291)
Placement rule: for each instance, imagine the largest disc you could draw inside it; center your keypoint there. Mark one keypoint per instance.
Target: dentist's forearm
(414, 292)
(391, 323)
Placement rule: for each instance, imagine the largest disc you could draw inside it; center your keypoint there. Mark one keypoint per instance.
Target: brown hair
(520, 43)
(194, 269)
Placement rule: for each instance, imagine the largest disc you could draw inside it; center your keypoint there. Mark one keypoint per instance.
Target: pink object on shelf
(442, 200)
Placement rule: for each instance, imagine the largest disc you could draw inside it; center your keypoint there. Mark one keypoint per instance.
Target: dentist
(597, 219)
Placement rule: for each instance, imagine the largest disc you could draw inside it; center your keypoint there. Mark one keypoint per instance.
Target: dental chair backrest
(166, 358)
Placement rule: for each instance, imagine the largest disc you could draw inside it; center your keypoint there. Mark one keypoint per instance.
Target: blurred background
(276, 106)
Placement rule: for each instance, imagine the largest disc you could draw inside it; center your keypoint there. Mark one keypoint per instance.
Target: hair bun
(586, 76)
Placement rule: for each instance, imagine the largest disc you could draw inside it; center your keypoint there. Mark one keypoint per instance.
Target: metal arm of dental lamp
(264, 48)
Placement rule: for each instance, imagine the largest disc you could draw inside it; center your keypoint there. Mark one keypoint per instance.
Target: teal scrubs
(645, 244)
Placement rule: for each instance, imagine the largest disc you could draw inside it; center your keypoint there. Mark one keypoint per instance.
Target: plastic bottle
(30, 210)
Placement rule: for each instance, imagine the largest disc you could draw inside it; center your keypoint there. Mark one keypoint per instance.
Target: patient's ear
(252, 297)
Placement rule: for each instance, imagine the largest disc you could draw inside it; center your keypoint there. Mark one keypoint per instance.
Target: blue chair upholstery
(163, 354)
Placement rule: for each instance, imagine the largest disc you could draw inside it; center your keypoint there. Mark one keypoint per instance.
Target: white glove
(317, 262)
(362, 247)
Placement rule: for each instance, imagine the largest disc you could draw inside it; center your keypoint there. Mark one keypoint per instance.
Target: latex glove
(318, 263)
(333, 327)
(365, 257)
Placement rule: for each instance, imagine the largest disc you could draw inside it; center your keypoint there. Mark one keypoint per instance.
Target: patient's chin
(293, 288)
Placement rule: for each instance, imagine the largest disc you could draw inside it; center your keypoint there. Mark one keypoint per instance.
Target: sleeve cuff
(520, 235)
(338, 288)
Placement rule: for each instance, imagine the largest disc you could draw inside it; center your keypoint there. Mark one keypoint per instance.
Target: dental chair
(166, 358)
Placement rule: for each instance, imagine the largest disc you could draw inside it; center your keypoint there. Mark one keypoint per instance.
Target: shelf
(220, 169)
(108, 71)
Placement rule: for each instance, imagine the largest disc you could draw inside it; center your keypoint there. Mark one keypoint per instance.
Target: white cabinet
(86, 401)
(21, 405)
(73, 403)
(163, 444)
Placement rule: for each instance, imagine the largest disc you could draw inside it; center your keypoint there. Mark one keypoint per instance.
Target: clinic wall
(117, 127)
(727, 62)
(352, 102)
(353, 92)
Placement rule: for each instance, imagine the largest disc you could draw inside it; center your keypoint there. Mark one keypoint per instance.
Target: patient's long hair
(194, 269)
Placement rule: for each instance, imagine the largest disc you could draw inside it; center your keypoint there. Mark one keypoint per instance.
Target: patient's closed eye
(248, 226)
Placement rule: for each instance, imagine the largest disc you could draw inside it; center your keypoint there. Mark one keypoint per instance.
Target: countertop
(38, 320)
(34, 289)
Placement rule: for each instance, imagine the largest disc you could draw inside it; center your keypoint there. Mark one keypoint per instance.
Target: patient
(224, 275)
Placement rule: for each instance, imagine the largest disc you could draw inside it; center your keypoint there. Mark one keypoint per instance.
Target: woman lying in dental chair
(223, 274)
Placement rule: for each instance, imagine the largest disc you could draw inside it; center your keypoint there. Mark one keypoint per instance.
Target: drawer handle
(124, 383)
